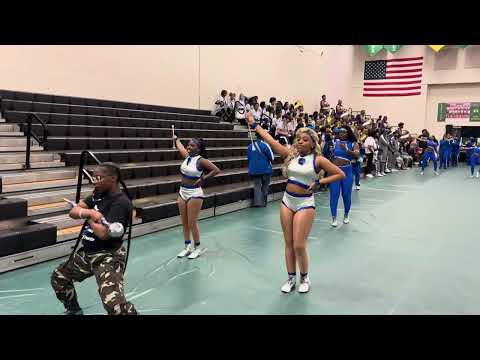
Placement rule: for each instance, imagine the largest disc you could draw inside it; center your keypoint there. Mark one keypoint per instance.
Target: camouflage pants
(107, 267)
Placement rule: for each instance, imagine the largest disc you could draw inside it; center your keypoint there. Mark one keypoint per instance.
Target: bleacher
(136, 136)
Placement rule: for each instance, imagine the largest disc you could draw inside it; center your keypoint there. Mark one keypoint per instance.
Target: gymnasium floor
(410, 248)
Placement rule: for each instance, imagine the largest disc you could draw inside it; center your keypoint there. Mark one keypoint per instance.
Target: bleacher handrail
(30, 134)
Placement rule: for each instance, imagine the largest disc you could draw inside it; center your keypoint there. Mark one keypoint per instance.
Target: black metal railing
(83, 173)
(28, 131)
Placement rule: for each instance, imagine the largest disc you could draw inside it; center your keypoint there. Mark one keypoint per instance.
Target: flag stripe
(404, 77)
(393, 77)
(405, 59)
(394, 94)
(393, 88)
(405, 65)
(403, 71)
(393, 82)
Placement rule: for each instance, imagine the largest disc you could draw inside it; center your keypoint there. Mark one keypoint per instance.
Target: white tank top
(189, 168)
(302, 171)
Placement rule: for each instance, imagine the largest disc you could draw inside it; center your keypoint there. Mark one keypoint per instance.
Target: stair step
(16, 158)
(33, 165)
(7, 149)
(61, 221)
(39, 185)
(54, 196)
(7, 142)
(48, 208)
(11, 134)
(68, 233)
(9, 128)
(37, 176)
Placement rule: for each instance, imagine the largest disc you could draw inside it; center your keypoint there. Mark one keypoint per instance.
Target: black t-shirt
(115, 208)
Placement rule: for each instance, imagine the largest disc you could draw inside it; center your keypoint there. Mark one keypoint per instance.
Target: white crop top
(303, 171)
(189, 168)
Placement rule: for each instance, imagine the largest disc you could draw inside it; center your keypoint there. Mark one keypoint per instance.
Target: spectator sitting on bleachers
(273, 102)
(263, 107)
(240, 110)
(257, 112)
(291, 128)
(220, 107)
(231, 106)
(281, 131)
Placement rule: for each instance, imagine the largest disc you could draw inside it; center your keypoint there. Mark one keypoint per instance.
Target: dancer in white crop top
(303, 162)
(190, 197)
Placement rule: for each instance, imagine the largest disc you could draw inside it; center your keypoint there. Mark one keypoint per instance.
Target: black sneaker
(73, 312)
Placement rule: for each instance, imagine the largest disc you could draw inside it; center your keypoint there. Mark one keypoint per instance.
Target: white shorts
(188, 193)
(296, 202)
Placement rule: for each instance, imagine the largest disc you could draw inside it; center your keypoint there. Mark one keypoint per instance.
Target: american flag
(393, 77)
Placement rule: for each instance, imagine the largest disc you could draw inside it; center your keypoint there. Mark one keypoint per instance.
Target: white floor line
(407, 186)
(141, 294)
(181, 274)
(388, 190)
(372, 199)
(274, 231)
(322, 220)
(19, 290)
(16, 296)
(351, 210)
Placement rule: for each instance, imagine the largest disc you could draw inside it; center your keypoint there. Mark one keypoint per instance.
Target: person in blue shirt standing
(455, 151)
(469, 148)
(260, 158)
(444, 151)
(473, 155)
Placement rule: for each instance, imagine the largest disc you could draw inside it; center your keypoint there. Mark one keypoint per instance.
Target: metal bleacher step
(14, 149)
(6, 128)
(8, 141)
(19, 157)
(11, 134)
(37, 176)
(52, 196)
(41, 179)
(33, 165)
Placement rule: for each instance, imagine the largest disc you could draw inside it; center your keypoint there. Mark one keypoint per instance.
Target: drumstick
(173, 134)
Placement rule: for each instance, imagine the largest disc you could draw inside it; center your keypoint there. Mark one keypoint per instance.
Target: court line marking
(141, 294)
(351, 210)
(274, 231)
(372, 199)
(16, 296)
(19, 290)
(379, 189)
(407, 186)
(182, 274)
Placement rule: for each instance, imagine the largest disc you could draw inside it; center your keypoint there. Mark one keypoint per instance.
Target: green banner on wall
(458, 111)
(475, 111)
(442, 112)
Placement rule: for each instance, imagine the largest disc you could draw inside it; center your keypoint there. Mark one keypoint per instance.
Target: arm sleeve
(119, 212)
(89, 201)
